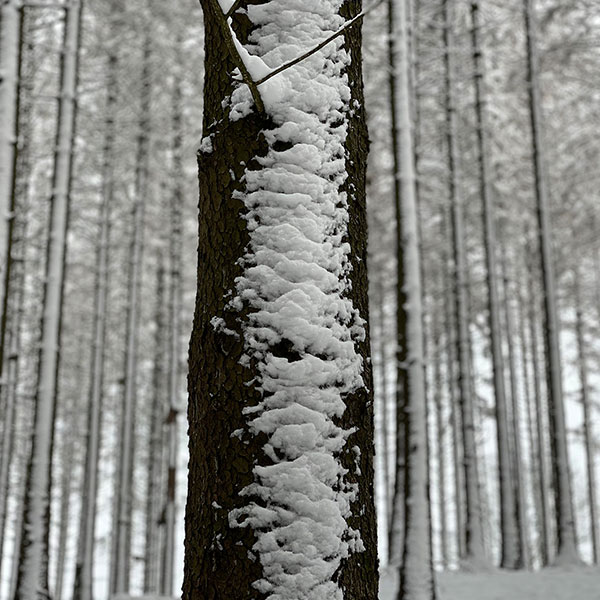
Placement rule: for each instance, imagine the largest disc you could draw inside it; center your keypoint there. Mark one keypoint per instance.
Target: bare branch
(235, 55)
(233, 8)
(318, 47)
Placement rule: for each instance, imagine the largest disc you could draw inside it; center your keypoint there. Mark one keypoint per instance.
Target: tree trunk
(121, 550)
(280, 498)
(87, 523)
(174, 340)
(450, 339)
(567, 552)
(441, 427)
(416, 570)
(587, 417)
(473, 550)
(534, 471)
(540, 434)
(509, 551)
(156, 461)
(33, 562)
(396, 528)
(11, 31)
(517, 482)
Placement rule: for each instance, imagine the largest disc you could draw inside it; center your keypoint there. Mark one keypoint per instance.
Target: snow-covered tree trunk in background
(441, 426)
(10, 54)
(534, 475)
(174, 351)
(121, 544)
(396, 526)
(416, 569)
(540, 450)
(516, 454)
(586, 402)
(33, 556)
(87, 521)
(473, 550)
(567, 552)
(280, 501)
(449, 327)
(509, 551)
(152, 570)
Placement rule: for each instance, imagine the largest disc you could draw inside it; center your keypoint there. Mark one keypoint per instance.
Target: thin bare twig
(233, 8)
(318, 47)
(235, 55)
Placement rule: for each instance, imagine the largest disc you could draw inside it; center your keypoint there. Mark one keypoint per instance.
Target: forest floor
(549, 584)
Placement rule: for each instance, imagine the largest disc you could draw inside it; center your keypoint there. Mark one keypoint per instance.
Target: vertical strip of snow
(10, 30)
(32, 560)
(120, 559)
(567, 552)
(87, 525)
(175, 235)
(301, 331)
(416, 570)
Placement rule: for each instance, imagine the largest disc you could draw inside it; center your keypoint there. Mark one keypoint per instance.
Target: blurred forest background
(106, 124)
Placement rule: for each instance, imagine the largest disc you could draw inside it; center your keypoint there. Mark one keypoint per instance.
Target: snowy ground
(550, 584)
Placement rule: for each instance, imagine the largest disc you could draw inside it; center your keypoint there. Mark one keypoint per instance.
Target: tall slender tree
(279, 377)
(121, 548)
(33, 556)
(87, 522)
(473, 550)
(416, 570)
(567, 552)
(586, 404)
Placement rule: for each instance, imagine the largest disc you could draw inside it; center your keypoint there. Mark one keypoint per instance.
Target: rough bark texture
(217, 563)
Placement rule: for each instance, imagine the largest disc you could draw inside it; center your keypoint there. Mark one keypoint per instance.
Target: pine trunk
(33, 562)
(266, 389)
(156, 461)
(416, 569)
(586, 403)
(175, 256)
(87, 523)
(11, 31)
(567, 552)
(121, 550)
(473, 550)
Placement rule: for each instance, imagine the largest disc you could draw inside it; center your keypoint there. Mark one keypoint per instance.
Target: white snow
(549, 584)
(295, 283)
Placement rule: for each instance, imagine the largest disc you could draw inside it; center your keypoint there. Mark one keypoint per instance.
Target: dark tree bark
(221, 561)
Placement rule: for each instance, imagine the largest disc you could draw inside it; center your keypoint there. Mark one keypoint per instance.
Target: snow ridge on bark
(301, 329)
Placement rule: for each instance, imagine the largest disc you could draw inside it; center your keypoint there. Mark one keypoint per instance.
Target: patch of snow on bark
(302, 330)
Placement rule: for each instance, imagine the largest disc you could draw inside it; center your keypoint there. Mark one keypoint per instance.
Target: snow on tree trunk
(586, 403)
(33, 556)
(473, 550)
(416, 571)
(10, 55)
(509, 552)
(545, 526)
(396, 527)
(441, 422)
(518, 482)
(534, 475)
(567, 552)
(87, 522)
(280, 501)
(156, 462)
(174, 309)
(121, 550)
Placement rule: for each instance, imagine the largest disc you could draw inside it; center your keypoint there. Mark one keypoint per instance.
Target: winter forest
(299, 299)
